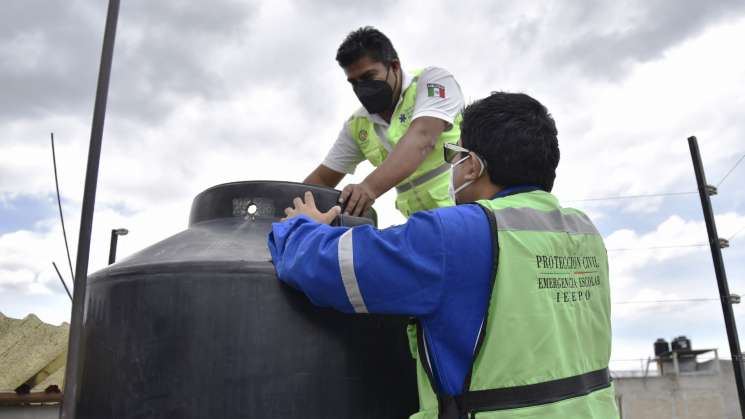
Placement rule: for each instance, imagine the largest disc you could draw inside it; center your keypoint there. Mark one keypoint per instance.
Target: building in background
(679, 382)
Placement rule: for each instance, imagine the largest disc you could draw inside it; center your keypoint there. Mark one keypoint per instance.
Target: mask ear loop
(461, 161)
(393, 99)
(482, 162)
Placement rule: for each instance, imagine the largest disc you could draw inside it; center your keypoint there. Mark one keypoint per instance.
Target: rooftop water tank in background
(681, 343)
(661, 346)
(198, 326)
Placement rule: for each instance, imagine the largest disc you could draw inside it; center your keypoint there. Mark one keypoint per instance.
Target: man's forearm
(418, 142)
(306, 257)
(400, 164)
(409, 153)
(323, 176)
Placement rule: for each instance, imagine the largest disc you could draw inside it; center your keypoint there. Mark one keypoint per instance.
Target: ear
(395, 65)
(471, 167)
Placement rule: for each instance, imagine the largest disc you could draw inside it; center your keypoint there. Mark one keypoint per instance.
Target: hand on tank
(308, 208)
(358, 197)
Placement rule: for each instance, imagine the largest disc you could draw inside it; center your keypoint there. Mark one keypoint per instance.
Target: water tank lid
(258, 198)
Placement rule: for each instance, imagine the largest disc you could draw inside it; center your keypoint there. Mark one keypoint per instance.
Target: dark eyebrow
(366, 75)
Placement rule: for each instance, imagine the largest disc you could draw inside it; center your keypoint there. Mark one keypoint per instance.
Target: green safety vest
(427, 187)
(547, 329)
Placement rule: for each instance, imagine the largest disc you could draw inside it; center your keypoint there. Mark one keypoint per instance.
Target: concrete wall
(29, 412)
(703, 396)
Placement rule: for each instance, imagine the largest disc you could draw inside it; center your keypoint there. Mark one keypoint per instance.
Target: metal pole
(112, 247)
(76, 346)
(715, 244)
(115, 233)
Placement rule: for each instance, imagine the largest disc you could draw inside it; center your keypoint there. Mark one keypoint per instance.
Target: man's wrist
(373, 187)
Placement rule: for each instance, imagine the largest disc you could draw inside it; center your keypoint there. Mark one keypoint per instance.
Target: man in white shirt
(401, 127)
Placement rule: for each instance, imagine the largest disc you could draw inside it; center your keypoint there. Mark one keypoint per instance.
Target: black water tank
(681, 343)
(198, 326)
(661, 346)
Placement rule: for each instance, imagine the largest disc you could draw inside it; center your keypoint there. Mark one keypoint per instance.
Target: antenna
(64, 284)
(61, 218)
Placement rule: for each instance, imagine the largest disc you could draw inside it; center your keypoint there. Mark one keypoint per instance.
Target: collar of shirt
(515, 190)
(406, 82)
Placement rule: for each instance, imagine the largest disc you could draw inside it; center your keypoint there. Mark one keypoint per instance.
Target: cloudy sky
(210, 92)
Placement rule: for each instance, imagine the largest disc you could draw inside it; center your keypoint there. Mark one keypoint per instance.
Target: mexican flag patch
(434, 89)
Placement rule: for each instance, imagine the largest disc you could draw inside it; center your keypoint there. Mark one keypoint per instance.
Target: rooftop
(32, 360)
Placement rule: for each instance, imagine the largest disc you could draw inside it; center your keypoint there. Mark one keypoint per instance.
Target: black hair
(516, 136)
(366, 41)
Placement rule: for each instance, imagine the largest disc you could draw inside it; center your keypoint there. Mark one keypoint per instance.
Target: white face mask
(452, 190)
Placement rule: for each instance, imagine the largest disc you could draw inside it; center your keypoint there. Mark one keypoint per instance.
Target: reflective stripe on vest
(529, 219)
(348, 277)
(403, 187)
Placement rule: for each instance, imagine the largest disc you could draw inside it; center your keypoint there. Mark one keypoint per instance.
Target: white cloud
(647, 282)
(631, 254)
(22, 280)
(634, 132)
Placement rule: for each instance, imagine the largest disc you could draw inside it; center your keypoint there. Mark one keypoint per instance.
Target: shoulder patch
(435, 90)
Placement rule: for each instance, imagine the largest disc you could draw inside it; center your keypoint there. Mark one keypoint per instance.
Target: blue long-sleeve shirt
(436, 267)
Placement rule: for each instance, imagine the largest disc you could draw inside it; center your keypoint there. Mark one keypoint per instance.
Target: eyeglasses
(452, 151)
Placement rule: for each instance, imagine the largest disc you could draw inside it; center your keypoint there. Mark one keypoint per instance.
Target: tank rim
(250, 182)
(219, 267)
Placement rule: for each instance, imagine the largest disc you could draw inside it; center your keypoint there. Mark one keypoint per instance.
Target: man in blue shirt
(440, 266)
